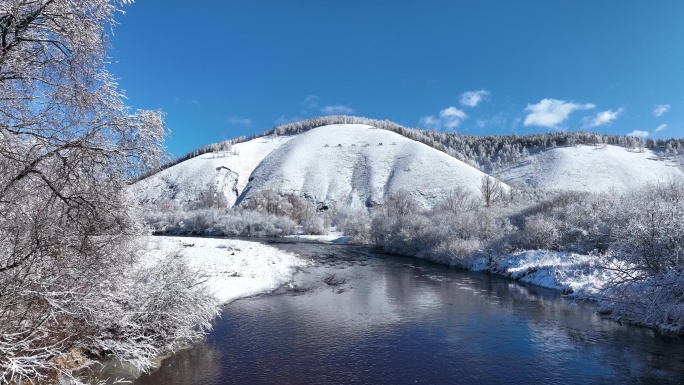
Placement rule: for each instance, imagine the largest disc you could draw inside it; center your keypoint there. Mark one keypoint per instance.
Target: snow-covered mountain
(352, 164)
(591, 168)
(359, 165)
(223, 172)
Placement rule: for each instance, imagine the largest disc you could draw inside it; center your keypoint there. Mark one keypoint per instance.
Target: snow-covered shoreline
(562, 271)
(242, 268)
(234, 268)
(588, 277)
(238, 269)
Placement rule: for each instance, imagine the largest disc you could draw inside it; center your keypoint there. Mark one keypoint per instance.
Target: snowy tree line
(72, 285)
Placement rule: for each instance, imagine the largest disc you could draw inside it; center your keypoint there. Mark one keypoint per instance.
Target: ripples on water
(359, 318)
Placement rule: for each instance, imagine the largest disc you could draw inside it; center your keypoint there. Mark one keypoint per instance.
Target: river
(363, 317)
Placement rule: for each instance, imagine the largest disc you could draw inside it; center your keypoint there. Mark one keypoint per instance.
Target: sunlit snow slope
(591, 168)
(358, 165)
(224, 173)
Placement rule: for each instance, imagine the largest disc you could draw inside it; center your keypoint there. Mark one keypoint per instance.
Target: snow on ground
(591, 168)
(333, 236)
(567, 272)
(358, 165)
(227, 171)
(235, 269)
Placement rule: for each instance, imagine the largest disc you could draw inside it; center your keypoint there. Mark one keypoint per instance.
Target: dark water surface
(360, 317)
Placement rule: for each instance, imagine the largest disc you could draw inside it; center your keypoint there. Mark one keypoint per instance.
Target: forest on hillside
(489, 153)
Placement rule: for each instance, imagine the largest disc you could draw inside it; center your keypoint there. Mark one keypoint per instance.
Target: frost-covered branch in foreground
(68, 147)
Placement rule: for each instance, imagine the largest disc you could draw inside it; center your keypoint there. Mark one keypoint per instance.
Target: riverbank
(233, 269)
(360, 316)
(618, 289)
(570, 273)
(239, 268)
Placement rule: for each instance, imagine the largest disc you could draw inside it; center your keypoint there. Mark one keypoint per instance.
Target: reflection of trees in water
(393, 306)
(200, 364)
(555, 323)
(629, 351)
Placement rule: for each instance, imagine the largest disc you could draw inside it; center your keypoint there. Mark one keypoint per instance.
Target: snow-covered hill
(591, 168)
(223, 173)
(358, 165)
(352, 164)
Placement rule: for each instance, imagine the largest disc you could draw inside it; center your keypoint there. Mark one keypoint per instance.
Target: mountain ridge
(488, 153)
(350, 164)
(222, 171)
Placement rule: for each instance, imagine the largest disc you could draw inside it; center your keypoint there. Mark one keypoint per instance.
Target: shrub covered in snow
(540, 233)
(265, 214)
(153, 308)
(354, 223)
(220, 222)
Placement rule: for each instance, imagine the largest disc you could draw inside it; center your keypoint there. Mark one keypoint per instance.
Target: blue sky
(221, 69)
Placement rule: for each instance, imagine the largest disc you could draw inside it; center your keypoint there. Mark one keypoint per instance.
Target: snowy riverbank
(566, 272)
(234, 268)
(645, 300)
(237, 269)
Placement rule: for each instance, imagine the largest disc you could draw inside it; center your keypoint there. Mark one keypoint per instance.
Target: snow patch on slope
(224, 173)
(591, 168)
(358, 165)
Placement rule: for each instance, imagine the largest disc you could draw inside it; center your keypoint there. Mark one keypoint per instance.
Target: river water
(362, 317)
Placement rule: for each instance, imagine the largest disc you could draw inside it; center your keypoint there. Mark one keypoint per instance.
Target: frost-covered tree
(68, 147)
(491, 189)
(456, 200)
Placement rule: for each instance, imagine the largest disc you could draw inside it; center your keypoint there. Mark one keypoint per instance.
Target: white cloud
(661, 127)
(552, 112)
(238, 121)
(449, 118)
(638, 133)
(473, 98)
(452, 112)
(337, 109)
(310, 102)
(430, 122)
(282, 119)
(660, 109)
(603, 118)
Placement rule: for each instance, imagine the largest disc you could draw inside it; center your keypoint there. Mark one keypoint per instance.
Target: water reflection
(365, 319)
